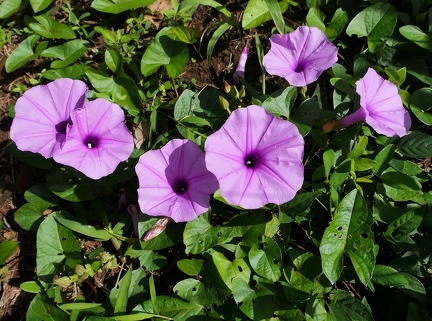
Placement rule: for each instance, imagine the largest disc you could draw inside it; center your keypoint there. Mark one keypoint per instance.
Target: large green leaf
(400, 187)
(49, 28)
(388, 276)
(281, 102)
(375, 22)
(344, 307)
(199, 235)
(123, 294)
(30, 215)
(257, 12)
(349, 232)
(68, 52)
(42, 309)
(229, 270)
(267, 262)
(123, 91)
(416, 35)
(165, 51)
(416, 145)
(84, 229)
(39, 5)
(54, 244)
(177, 309)
(24, 53)
(117, 6)
(9, 7)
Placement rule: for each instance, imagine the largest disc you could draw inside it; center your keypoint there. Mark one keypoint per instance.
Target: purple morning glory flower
(42, 114)
(98, 140)
(174, 181)
(241, 65)
(380, 106)
(300, 56)
(257, 158)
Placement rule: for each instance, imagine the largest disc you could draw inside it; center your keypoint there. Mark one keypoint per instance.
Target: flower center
(300, 67)
(91, 142)
(251, 161)
(180, 186)
(61, 126)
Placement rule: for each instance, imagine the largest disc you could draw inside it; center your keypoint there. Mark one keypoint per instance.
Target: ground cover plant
(205, 160)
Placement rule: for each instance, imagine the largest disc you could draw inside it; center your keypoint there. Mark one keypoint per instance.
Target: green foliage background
(354, 244)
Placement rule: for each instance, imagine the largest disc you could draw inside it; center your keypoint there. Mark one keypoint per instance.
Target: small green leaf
(78, 306)
(337, 24)
(421, 105)
(257, 12)
(164, 51)
(7, 247)
(117, 6)
(364, 164)
(315, 18)
(328, 159)
(210, 3)
(215, 37)
(40, 193)
(190, 267)
(184, 34)
(383, 158)
(359, 148)
(276, 13)
(31, 287)
(123, 296)
(88, 230)
(49, 28)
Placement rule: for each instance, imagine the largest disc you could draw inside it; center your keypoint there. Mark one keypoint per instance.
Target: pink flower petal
(42, 115)
(300, 56)
(257, 158)
(380, 105)
(174, 181)
(98, 140)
